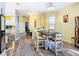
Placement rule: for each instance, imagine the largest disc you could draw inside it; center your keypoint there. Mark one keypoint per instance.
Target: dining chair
(38, 40)
(56, 44)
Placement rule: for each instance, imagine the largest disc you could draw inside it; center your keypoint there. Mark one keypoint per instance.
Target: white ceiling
(25, 8)
(41, 6)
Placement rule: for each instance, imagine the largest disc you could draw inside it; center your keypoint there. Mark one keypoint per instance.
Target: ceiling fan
(51, 7)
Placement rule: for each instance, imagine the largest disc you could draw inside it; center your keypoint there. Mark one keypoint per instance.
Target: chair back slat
(59, 36)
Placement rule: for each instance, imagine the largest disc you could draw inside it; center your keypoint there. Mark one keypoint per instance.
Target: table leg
(46, 43)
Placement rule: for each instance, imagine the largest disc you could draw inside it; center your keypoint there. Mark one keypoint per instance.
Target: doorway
(27, 30)
(26, 26)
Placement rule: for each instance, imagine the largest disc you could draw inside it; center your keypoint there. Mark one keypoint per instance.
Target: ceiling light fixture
(17, 6)
(51, 7)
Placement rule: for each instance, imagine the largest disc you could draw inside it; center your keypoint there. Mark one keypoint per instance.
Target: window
(51, 22)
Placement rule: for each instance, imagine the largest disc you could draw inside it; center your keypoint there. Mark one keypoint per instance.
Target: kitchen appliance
(2, 33)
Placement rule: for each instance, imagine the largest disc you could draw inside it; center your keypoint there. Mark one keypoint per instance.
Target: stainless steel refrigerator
(2, 33)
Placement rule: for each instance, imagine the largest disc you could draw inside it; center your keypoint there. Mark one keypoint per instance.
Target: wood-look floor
(23, 47)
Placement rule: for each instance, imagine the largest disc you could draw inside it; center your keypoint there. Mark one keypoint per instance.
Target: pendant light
(51, 7)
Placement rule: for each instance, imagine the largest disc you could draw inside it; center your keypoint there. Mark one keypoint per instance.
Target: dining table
(47, 34)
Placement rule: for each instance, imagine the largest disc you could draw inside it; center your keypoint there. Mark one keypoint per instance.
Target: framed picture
(65, 18)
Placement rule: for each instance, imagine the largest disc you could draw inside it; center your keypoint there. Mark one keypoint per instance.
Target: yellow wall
(21, 24)
(67, 28)
(11, 19)
(40, 21)
(8, 17)
(32, 18)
